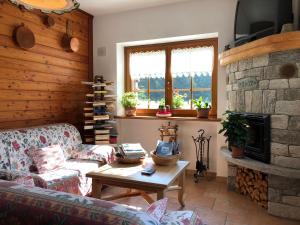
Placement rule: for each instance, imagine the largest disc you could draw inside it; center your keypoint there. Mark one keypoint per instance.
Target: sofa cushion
(157, 209)
(83, 167)
(47, 158)
(181, 218)
(16, 143)
(62, 180)
(101, 153)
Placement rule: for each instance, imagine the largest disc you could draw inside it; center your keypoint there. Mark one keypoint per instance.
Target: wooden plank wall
(43, 85)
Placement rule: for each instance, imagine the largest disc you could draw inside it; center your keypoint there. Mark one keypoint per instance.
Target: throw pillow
(28, 181)
(48, 158)
(157, 209)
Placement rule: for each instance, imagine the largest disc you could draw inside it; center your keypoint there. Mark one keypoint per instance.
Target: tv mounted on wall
(256, 19)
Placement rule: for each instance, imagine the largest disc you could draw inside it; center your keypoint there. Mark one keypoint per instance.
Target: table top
(131, 174)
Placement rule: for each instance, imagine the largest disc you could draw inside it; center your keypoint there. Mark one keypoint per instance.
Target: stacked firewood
(253, 184)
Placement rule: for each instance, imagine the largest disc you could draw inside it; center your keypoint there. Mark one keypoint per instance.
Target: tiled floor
(214, 204)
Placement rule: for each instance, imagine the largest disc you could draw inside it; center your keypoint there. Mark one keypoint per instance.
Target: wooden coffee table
(129, 176)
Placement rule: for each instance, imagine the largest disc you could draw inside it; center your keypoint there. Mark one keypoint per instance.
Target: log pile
(253, 184)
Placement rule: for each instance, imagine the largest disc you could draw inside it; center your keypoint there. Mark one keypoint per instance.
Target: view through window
(171, 74)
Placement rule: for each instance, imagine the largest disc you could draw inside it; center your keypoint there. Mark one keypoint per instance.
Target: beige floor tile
(214, 204)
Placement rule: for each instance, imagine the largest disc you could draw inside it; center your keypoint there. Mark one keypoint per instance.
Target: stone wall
(271, 84)
(284, 196)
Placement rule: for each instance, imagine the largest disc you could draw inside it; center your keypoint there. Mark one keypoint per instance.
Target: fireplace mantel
(273, 43)
(260, 166)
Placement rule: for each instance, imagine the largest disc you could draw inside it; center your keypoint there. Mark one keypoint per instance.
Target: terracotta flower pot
(237, 152)
(202, 113)
(130, 111)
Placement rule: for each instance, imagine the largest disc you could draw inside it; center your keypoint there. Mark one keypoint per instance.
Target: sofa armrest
(11, 175)
(22, 177)
(101, 153)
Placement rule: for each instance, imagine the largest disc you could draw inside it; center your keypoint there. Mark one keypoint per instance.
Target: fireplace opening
(258, 144)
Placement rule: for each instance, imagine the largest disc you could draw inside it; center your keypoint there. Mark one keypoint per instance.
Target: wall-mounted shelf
(273, 43)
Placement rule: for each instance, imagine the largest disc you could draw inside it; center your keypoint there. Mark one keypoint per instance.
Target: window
(174, 74)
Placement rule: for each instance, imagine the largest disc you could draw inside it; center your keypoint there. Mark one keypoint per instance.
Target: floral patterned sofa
(26, 205)
(80, 158)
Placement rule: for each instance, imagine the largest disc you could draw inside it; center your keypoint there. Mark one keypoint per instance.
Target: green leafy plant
(178, 100)
(162, 103)
(200, 104)
(129, 100)
(235, 129)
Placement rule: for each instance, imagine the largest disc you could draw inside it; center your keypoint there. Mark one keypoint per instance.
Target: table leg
(148, 199)
(96, 188)
(181, 190)
(160, 194)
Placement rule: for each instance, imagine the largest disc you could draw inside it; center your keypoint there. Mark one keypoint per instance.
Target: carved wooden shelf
(273, 43)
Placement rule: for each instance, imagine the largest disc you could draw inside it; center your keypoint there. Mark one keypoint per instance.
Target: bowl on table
(165, 160)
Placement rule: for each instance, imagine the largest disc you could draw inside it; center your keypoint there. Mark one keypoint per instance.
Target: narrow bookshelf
(99, 124)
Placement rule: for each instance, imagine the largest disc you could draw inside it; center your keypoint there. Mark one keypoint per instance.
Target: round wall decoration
(46, 6)
(24, 37)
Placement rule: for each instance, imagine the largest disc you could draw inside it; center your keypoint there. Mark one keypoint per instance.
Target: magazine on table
(166, 148)
(132, 150)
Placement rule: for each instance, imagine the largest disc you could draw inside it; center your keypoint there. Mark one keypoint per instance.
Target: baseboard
(210, 175)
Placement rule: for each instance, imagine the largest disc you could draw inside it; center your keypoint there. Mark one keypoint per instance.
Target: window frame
(167, 47)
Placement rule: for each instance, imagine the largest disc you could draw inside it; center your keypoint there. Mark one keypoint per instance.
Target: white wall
(181, 19)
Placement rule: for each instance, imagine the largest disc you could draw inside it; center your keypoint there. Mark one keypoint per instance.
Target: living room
(57, 58)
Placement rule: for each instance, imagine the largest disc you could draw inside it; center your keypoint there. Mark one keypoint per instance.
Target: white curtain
(147, 64)
(192, 61)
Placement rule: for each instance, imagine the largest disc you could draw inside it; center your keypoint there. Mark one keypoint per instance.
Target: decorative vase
(203, 113)
(237, 152)
(130, 111)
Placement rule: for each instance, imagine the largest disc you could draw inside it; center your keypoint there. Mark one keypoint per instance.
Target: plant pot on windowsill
(237, 152)
(130, 111)
(203, 112)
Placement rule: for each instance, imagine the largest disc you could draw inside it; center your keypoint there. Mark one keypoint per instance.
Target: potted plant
(178, 100)
(129, 102)
(235, 130)
(202, 107)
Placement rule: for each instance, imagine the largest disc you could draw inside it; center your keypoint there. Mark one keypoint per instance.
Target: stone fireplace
(270, 84)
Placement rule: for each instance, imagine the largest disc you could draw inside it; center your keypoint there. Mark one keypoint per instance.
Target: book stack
(99, 126)
(132, 151)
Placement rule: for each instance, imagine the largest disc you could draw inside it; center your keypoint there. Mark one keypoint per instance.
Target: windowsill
(169, 118)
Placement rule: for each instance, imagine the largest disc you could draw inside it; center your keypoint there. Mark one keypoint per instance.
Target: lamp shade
(46, 6)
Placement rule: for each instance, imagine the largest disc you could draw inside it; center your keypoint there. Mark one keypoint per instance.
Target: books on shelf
(89, 139)
(89, 127)
(101, 137)
(110, 96)
(102, 131)
(101, 117)
(99, 84)
(87, 82)
(101, 126)
(101, 142)
(98, 103)
(98, 127)
(100, 92)
(89, 121)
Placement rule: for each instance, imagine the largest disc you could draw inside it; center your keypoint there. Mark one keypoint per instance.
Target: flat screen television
(256, 19)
